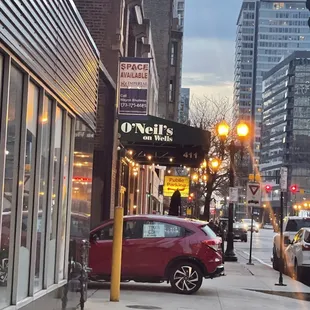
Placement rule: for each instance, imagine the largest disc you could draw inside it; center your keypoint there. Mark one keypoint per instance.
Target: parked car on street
(297, 255)
(158, 248)
(291, 225)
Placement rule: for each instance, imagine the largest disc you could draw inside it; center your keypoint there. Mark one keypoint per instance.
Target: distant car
(240, 232)
(291, 225)
(158, 248)
(247, 224)
(297, 255)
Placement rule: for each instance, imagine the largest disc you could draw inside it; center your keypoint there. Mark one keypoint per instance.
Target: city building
(286, 129)
(178, 12)
(184, 106)
(49, 75)
(167, 36)
(267, 31)
(121, 29)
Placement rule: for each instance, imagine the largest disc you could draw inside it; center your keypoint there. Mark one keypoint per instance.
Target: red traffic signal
(268, 188)
(190, 198)
(294, 188)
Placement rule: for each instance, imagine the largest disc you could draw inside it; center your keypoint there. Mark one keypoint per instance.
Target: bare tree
(206, 113)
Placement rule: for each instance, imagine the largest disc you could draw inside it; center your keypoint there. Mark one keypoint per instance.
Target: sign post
(233, 194)
(283, 185)
(253, 200)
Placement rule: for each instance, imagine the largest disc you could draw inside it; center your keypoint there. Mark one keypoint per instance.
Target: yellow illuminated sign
(172, 183)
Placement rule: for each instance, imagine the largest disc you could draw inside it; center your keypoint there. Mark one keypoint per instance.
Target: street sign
(253, 194)
(233, 194)
(283, 179)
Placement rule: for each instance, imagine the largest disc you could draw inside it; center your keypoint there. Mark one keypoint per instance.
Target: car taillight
(306, 247)
(213, 244)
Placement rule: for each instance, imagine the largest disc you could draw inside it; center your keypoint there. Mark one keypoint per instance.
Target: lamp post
(242, 133)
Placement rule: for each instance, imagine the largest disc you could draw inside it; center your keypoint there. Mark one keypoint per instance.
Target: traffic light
(190, 198)
(268, 188)
(294, 188)
(308, 7)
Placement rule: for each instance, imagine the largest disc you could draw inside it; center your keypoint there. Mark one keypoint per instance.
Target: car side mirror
(287, 241)
(94, 238)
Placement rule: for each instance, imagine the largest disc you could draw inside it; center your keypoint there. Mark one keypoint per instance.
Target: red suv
(157, 249)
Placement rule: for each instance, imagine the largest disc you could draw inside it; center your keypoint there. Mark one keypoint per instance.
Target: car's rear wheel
(186, 278)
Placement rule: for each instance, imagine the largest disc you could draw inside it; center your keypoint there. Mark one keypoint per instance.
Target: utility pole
(283, 185)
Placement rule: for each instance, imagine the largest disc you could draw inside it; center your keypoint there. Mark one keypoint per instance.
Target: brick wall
(160, 13)
(103, 20)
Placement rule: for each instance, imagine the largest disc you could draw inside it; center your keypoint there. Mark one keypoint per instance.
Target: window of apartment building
(180, 5)
(173, 56)
(171, 91)
(278, 5)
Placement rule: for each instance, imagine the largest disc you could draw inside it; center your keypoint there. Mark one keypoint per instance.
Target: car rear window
(208, 231)
(297, 224)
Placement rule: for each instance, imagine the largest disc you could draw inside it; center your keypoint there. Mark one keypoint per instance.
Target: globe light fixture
(223, 130)
(243, 130)
(215, 164)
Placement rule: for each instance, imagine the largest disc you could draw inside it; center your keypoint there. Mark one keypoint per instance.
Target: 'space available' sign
(133, 86)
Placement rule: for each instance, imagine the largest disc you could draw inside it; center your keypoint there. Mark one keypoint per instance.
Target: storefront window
(28, 198)
(1, 73)
(64, 204)
(45, 123)
(55, 197)
(81, 188)
(10, 181)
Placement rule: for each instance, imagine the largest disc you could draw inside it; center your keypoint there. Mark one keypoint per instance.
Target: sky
(209, 45)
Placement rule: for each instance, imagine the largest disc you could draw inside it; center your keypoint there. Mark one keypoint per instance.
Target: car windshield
(208, 231)
(297, 224)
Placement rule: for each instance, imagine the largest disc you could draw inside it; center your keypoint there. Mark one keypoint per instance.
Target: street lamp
(215, 164)
(242, 133)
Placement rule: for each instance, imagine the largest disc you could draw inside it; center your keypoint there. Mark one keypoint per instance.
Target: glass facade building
(286, 129)
(48, 97)
(184, 105)
(268, 31)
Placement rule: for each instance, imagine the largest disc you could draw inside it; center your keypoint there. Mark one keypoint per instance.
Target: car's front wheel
(186, 278)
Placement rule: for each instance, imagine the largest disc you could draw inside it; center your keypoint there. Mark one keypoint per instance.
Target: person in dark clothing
(175, 203)
(215, 227)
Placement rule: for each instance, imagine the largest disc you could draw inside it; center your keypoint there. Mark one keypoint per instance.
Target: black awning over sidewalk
(160, 141)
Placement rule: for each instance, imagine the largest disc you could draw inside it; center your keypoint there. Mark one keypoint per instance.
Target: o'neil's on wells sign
(133, 86)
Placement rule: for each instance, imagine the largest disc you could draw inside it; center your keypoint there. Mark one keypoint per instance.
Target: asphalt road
(262, 246)
(262, 249)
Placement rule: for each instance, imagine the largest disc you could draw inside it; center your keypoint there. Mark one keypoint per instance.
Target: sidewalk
(243, 287)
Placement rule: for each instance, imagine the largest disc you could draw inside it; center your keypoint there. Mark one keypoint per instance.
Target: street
(262, 246)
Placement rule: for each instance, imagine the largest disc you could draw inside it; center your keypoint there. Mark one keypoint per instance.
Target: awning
(156, 140)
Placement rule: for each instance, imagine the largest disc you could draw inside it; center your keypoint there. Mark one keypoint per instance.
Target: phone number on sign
(133, 105)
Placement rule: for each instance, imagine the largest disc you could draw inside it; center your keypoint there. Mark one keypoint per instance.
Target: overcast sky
(209, 43)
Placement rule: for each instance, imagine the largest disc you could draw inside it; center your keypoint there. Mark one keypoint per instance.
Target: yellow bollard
(117, 254)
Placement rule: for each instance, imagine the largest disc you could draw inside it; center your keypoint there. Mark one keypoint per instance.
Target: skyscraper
(286, 128)
(178, 12)
(267, 32)
(184, 105)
